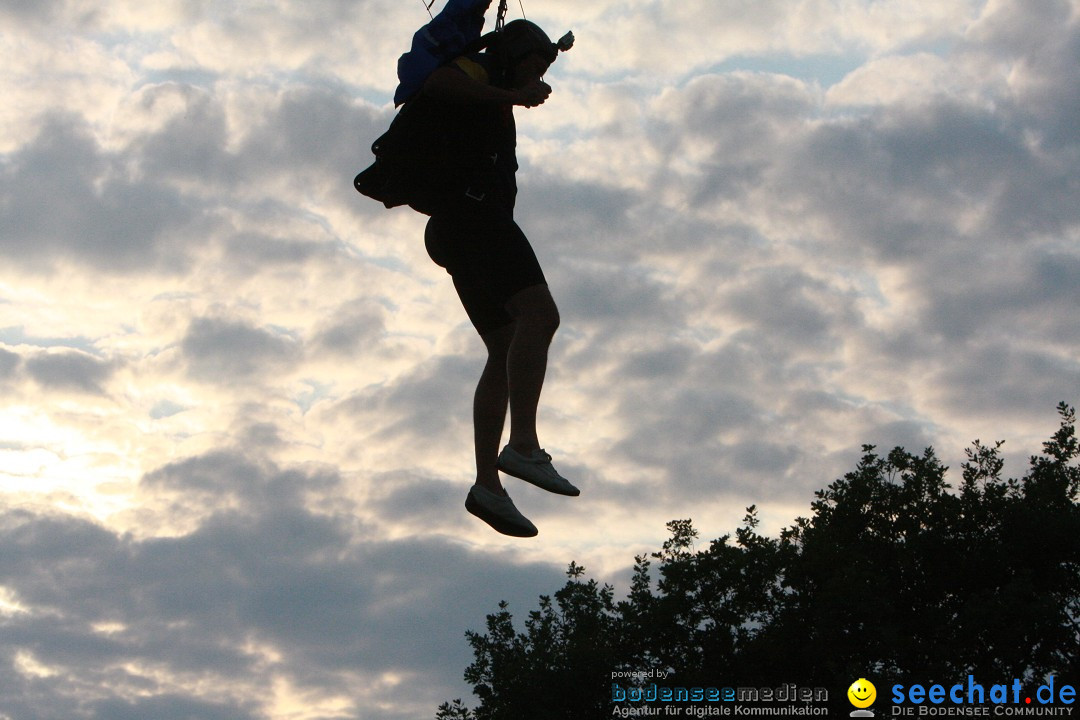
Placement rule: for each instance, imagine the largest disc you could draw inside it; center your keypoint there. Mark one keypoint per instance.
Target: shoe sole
(497, 523)
(537, 483)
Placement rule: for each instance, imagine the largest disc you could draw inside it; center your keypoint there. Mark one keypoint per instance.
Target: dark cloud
(583, 220)
(192, 143)
(353, 328)
(1019, 290)
(429, 407)
(1000, 378)
(915, 436)
(36, 11)
(230, 474)
(69, 370)
(403, 495)
(614, 299)
(655, 363)
(217, 348)
(730, 128)
(317, 137)
(1042, 44)
(251, 253)
(708, 427)
(63, 198)
(9, 362)
(170, 707)
(700, 436)
(901, 184)
(785, 303)
(154, 202)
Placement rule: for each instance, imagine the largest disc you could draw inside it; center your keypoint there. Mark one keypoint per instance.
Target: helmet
(521, 38)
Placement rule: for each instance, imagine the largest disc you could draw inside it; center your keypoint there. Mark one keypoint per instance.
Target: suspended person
(452, 156)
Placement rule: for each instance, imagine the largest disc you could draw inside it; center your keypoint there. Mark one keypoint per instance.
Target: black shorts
(488, 257)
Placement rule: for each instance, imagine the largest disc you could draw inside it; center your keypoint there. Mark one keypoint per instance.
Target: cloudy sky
(235, 428)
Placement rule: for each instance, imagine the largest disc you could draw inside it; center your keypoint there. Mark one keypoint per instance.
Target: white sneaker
(499, 512)
(536, 470)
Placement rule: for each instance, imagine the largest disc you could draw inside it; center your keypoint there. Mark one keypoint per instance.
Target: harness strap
(500, 18)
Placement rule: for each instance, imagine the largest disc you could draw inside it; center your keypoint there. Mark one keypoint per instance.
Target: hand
(533, 93)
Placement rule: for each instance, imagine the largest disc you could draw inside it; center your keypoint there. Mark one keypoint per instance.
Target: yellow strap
(473, 69)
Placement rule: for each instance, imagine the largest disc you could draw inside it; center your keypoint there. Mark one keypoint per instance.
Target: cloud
(265, 593)
(27, 10)
(232, 349)
(659, 39)
(56, 370)
(9, 361)
(429, 408)
(354, 328)
(65, 199)
(69, 370)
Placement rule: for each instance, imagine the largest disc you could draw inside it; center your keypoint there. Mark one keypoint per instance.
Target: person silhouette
(473, 235)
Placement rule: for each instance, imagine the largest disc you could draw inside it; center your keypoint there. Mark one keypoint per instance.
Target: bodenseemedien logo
(652, 700)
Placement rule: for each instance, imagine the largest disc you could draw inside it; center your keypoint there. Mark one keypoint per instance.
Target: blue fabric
(441, 40)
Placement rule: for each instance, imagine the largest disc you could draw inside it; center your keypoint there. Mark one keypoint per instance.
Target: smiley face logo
(862, 693)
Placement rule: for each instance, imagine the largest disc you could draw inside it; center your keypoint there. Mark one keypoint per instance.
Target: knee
(542, 319)
(554, 320)
(535, 309)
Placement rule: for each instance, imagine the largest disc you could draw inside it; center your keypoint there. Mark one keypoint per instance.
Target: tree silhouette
(894, 577)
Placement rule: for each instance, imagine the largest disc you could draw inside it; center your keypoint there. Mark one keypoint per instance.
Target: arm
(450, 83)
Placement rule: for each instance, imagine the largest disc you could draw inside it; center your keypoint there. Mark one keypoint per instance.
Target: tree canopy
(895, 575)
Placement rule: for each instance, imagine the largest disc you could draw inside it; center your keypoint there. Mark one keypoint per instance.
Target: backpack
(414, 163)
(401, 173)
(424, 161)
(448, 34)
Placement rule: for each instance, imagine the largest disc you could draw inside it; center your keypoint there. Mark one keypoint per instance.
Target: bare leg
(489, 408)
(536, 318)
